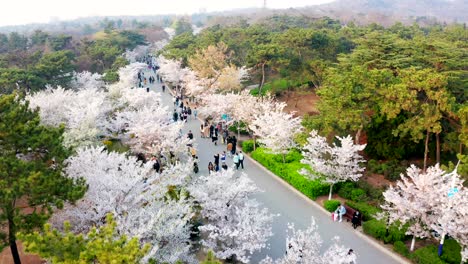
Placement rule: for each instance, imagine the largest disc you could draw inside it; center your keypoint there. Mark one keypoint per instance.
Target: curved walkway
(292, 207)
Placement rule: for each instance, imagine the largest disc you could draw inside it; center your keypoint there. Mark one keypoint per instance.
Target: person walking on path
(190, 135)
(223, 157)
(224, 166)
(164, 88)
(241, 159)
(229, 148)
(225, 135)
(211, 130)
(234, 143)
(195, 112)
(175, 116)
(210, 167)
(202, 128)
(214, 138)
(235, 159)
(189, 112)
(216, 159)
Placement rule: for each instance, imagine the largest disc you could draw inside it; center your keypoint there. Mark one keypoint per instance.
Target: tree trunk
(263, 80)
(284, 158)
(426, 151)
(437, 148)
(12, 239)
(238, 130)
(331, 190)
(412, 243)
(254, 142)
(358, 135)
(441, 245)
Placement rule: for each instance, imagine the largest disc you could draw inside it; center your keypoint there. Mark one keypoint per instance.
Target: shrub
(378, 229)
(345, 189)
(107, 143)
(451, 252)
(289, 172)
(358, 195)
(331, 205)
(400, 248)
(367, 211)
(426, 255)
(375, 228)
(248, 146)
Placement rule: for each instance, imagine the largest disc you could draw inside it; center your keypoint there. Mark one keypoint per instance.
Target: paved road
(282, 199)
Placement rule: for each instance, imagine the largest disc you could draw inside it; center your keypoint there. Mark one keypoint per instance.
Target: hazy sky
(13, 12)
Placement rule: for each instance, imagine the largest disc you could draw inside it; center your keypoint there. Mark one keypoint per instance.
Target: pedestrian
(147, 89)
(241, 159)
(356, 219)
(214, 138)
(235, 159)
(177, 101)
(164, 88)
(234, 144)
(190, 135)
(224, 166)
(201, 131)
(229, 148)
(175, 116)
(145, 81)
(189, 112)
(185, 116)
(195, 112)
(193, 152)
(210, 167)
(225, 135)
(216, 159)
(156, 165)
(182, 105)
(211, 130)
(223, 157)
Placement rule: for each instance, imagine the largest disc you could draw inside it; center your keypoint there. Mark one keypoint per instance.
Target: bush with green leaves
(289, 171)
(378, 229)
(367, 211)
(426, 255)
(331, 205)
(451, 252)
(248, 146)
(401, 248)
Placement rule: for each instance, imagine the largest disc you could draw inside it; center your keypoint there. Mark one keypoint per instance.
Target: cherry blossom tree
(87, 80)
(170, 70)
(136, 195)
(231, 78)
(303, 246)
(332, 164)
(235, 224)
(137, 53)
(276, 130)
(80, 111)
(433, 200)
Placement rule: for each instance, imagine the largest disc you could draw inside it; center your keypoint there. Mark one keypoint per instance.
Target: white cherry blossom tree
(433, 200)
(236, 225)
(332, 164)
(87, 80)
(136, 195)
(304, 246)
(276, 130)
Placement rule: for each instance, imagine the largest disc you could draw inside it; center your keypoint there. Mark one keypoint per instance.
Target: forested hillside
(401, 89)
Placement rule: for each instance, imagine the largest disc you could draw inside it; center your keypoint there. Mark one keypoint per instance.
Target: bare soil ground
(6, 258)
(376, 180)
(301, 103)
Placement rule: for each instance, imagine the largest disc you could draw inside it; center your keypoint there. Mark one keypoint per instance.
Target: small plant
(331, 205)
(400, 248)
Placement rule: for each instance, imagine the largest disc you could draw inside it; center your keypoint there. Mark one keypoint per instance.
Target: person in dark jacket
(356, 219)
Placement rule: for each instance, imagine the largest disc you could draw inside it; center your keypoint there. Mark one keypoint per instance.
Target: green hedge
(331, 205)
(401, 248)
(367, 211)
(426, 255)
(451, 252)
(289, 172)
(248, 146)
(378, 229)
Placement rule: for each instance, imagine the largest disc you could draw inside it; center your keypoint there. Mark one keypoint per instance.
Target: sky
(17, 12)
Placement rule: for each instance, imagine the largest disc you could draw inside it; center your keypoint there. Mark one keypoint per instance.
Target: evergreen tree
(31, 157)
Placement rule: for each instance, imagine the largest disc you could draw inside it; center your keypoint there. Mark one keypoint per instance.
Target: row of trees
(383, 85)
(29, 63)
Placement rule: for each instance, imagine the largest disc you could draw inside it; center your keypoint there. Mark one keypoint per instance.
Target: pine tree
(31, 157)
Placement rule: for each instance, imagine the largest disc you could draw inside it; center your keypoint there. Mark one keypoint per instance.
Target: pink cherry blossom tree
(332, 163)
